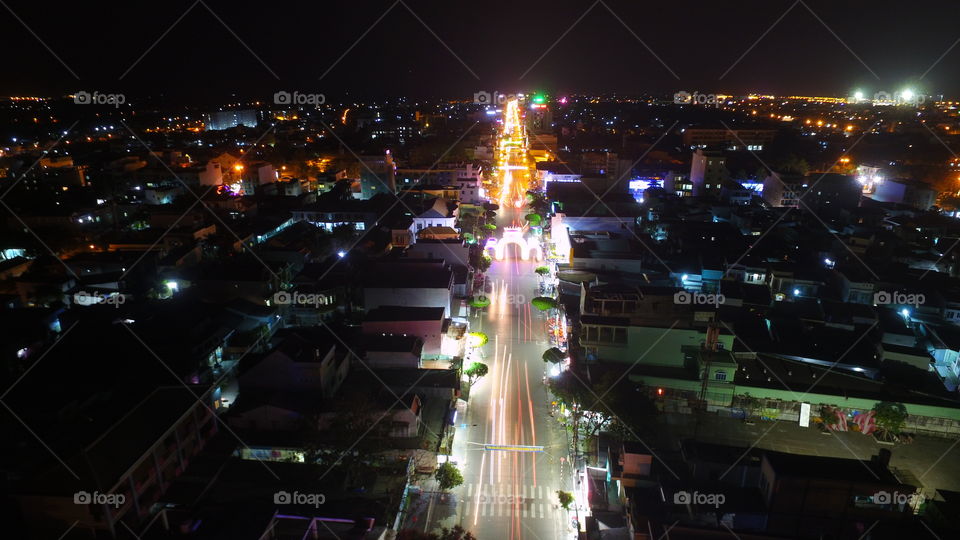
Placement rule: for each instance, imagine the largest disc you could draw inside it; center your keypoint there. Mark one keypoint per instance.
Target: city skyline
(420, 270)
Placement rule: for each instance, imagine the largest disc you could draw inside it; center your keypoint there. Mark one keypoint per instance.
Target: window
(720, 375)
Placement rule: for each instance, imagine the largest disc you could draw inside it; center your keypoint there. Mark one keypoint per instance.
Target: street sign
(512, 448)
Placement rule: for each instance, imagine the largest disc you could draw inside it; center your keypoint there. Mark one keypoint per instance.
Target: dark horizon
(212, 50)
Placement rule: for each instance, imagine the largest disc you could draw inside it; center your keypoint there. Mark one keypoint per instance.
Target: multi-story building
(410, 283)
(646, 325)
(465, 177)
(817, 495)
(833, 192)
(119, 478)
(707, 172)
(678, 183)
(377, 175)
(328, 213)
(426, 323)
(300, 363)
(782, 190)
(919, 195)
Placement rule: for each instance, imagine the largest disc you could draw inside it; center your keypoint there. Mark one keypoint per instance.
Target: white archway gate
(529, 248)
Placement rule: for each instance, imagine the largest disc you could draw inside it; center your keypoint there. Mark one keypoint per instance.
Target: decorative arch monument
(529, 248)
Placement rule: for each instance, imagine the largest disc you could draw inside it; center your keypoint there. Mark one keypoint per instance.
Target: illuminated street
(444, 274)
(512, 494)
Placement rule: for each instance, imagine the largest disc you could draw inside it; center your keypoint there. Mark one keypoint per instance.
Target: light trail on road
(533, 425)
(514, 498)
(476, 508)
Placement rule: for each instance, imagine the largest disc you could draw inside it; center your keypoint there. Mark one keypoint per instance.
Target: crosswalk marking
(494, 491)
(505, 500)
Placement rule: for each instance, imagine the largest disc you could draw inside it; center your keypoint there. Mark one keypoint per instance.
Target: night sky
(497, 42)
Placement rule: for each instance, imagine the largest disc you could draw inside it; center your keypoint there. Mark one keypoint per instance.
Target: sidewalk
(430, 510)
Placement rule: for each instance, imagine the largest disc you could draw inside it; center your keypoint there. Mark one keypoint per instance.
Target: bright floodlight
(858, 95)
(907, 95)
(340, 254)
(905, 312)
(796, 292)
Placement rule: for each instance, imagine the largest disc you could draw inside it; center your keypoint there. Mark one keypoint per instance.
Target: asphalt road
(512, 494)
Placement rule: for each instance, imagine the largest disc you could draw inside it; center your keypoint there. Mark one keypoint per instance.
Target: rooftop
(404, 313)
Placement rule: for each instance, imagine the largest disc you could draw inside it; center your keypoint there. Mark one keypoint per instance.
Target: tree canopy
(448, 476)
(480, 301)
(610, 403)
(479, 260)
(554, 355)
(890, 417)
(543, 303)
(476, 370)
(477, 339)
